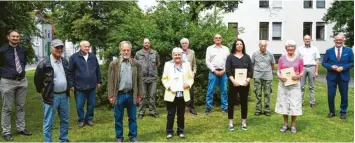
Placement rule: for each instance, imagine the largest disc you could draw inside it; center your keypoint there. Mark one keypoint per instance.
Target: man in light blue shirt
(52, 81)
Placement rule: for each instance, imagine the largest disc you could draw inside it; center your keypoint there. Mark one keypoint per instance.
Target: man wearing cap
(13, 84)
(52, 81)
(86, 77)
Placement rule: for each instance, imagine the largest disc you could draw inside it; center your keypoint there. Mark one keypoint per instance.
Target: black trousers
(190, 104)
(172, 107)
(243, 99)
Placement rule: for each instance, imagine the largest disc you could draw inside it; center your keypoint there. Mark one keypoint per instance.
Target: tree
(342, 13)
(88, 20)
(165, 27)
(196, 7)
(20, 16)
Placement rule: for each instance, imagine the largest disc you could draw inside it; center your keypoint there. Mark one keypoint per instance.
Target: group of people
(133, 80)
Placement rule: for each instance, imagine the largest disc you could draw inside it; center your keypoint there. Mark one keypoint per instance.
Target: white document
(240, 75)
(288, 73)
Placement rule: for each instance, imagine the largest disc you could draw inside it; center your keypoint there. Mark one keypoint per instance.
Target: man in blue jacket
(338, 60)
(86, 76)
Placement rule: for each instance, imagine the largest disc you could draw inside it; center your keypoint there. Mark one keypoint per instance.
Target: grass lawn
(313, 125)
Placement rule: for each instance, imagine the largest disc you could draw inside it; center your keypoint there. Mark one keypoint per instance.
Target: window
(276, 30)
(320, 3)
(263, 3)
(307, 28)
(277, 3)
(308, 4)
(264, 31)
(234, 28)
(320, 31)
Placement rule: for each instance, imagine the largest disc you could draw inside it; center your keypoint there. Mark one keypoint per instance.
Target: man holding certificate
(289, 97)
(239, 71)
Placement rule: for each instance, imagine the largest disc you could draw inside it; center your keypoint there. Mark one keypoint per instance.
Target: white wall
(292, 15)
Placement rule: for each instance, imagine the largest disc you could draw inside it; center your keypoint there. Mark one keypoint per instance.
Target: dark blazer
(346, 61)
(86, 74)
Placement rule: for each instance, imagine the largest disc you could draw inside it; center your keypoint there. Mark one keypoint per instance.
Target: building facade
(280, 20)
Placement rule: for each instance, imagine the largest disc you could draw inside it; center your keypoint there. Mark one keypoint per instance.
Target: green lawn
(313, 125)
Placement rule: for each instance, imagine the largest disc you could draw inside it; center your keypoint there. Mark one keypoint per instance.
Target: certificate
(240, 75)
(288, 73)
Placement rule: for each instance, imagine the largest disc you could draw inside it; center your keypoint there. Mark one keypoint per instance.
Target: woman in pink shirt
(289, 98)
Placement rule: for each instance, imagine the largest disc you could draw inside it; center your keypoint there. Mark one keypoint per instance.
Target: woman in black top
(238, 59)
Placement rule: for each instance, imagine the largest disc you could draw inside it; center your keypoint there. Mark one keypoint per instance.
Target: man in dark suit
(338, 60)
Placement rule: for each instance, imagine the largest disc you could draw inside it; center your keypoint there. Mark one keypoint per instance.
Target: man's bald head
(262, 46)
(307, 40)
(146, 44)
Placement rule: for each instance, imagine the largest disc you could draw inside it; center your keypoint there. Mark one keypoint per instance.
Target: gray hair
(184, 39)
(307, 36)
(218, 35)
(126, 42)
(290, 43)
(340, 35)
(177, 50)
(262, 42)
(83, 41)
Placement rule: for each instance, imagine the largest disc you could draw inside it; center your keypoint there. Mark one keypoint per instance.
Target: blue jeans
(125, 100)
(61, 104)
(214, 80)
(80, 98)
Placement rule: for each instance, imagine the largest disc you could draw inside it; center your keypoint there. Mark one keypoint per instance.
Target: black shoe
(66, 141)
(343, 116)
(155, 115)
(331, 115)
(90, 123)
(257, 113)
(8, 137)
(208, 111)
(267, 114)
(140, 116)
(192, 111)
(119, 140)
(25, 132)
(225, 111)
(81, 124)
(133, 140)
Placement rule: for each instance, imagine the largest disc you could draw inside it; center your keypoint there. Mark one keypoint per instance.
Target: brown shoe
(313, 106)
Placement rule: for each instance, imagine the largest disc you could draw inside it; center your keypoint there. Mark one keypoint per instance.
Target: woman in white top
(177, 80)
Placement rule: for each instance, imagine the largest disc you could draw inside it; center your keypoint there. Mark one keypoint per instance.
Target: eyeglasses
(217, 37)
